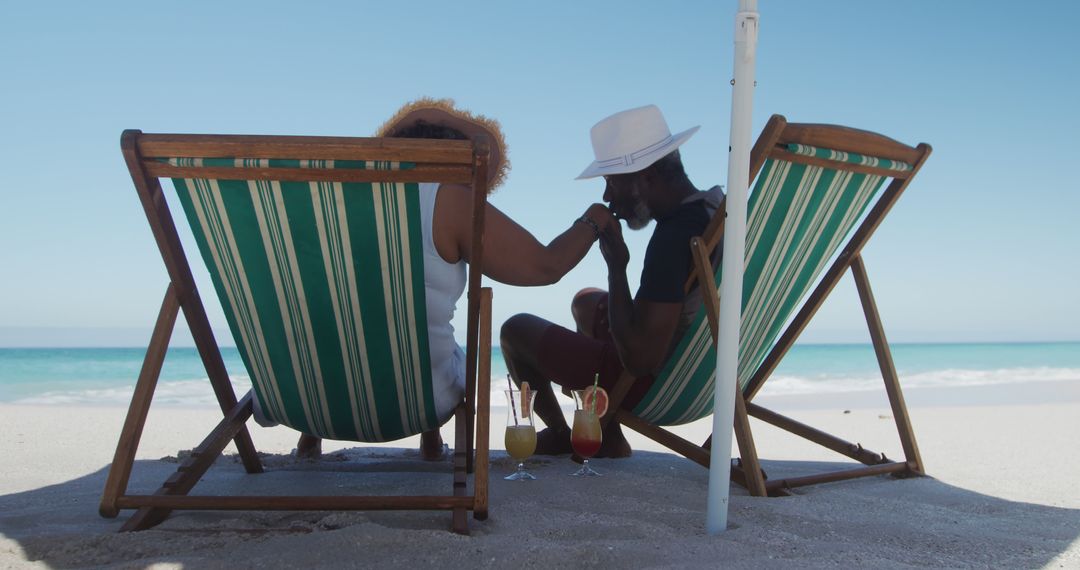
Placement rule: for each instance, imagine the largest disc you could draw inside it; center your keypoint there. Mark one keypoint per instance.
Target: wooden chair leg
(208, 349)
(124, 459)
(755, 482)
(483, 411)
(853, 450)
(888, 369)
(669, 440)
(615, 398)
(194, 467)
(459, 521)
(469, 442)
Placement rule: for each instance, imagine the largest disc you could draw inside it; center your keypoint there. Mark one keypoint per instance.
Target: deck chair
(816, 183)
(313, 245)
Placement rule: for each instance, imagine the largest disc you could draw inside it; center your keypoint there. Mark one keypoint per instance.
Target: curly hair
(424, 130)
(434, 131)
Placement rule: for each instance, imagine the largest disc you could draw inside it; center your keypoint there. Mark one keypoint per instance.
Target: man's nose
(607, 192)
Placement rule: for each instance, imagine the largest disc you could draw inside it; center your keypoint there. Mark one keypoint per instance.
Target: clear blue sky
(983, 246)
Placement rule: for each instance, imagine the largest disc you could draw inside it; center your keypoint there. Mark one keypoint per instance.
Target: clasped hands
(612, 245)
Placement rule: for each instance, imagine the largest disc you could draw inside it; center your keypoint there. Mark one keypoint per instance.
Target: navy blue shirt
(668, 261)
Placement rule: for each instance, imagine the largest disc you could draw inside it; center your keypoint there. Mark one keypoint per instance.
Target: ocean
(106, 376)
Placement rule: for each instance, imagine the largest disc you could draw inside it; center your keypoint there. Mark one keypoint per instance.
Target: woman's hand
(601, 215)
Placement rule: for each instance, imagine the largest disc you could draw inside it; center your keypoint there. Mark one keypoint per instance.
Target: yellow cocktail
(520, 441)
(520, 436)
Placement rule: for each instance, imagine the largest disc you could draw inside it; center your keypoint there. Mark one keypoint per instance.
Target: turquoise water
(106, 375)
(97, 376)
(842, 368)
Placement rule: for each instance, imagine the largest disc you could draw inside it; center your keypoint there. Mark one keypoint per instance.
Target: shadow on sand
(646, 511)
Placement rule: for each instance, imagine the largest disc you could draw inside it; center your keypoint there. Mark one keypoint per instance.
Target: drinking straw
(525, 411)
(595, 382)
(513, 410)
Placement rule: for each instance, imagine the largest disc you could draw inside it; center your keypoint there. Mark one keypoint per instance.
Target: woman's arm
(512, 255)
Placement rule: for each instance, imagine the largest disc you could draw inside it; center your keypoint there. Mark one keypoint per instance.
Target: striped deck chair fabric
(798, 216)
(318, 265)
(322, 284)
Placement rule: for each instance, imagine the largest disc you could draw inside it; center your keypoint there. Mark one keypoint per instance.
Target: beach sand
(1003, 463)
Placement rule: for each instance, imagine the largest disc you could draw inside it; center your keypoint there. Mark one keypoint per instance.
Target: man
(637, 156)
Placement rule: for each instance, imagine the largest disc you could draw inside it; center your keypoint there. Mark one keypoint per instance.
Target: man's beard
(641, 216)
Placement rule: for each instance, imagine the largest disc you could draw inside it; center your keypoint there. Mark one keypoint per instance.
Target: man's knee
(585, 300)
(512, 328)
(584, 308)
(521, 333)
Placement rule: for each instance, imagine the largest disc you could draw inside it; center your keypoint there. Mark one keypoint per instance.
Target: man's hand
(613, 247)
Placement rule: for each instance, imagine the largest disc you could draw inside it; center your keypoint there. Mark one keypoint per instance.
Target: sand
(1003, 464)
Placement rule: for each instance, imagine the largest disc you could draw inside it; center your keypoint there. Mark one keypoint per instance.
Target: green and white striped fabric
(798, 216)
(322, 284)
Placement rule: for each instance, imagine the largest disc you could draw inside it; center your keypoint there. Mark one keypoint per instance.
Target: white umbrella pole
(727, 351)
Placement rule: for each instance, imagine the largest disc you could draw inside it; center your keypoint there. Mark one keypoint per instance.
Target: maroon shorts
(571, 360)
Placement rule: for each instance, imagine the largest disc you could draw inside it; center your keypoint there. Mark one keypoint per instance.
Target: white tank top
(444, 284)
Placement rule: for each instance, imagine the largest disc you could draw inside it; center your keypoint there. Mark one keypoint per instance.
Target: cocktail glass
(586, 435)
(520, 437)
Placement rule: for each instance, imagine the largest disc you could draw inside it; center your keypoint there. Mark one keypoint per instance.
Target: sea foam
(198, 393)
(174, 393)
(783, 384)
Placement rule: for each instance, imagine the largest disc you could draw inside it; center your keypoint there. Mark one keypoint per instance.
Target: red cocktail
(586, 436)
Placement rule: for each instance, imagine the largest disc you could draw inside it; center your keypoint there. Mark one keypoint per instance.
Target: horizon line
(496, 346)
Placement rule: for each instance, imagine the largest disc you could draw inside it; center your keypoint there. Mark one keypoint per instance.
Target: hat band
(630, 159)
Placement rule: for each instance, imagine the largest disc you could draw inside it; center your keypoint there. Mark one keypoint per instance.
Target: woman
(512, 255)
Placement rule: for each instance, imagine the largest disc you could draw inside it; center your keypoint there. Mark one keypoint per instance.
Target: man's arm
(641, 329)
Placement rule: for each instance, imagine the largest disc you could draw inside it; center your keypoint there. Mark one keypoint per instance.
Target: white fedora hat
(631, 140)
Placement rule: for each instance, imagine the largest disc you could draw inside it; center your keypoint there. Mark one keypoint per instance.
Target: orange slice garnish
(596, 398)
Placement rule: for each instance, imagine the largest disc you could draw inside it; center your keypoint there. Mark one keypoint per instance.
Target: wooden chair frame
(435, 161)
(748, 473)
